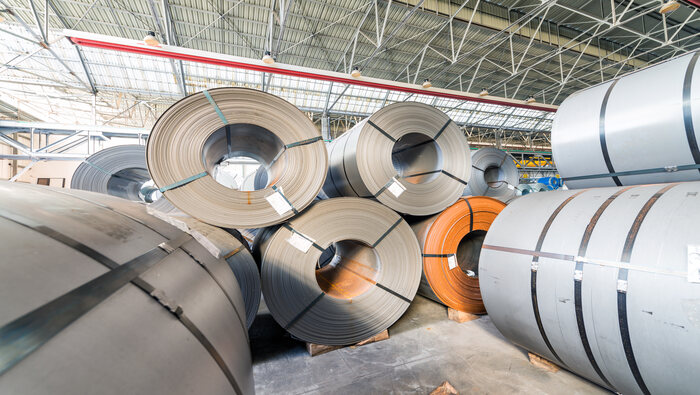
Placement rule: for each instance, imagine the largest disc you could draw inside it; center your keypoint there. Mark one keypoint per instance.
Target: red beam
(315, 76)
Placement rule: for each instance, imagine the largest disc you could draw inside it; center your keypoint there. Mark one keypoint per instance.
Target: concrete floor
(424, 350)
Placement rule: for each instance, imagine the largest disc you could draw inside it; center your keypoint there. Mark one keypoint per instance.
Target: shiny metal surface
(493, 174)
(128, 343)
(610, 271)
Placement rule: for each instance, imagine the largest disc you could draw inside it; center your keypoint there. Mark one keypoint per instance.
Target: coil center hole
(244, 157)
(494, 176)
(417, 158)
(347, 269)
(127, 183)
(468, 251)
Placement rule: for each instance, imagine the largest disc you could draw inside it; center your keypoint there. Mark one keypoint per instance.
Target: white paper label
(278, 202)
(451, 262)
(622, 286)
(511, 187)
(300, 242)
(694, 263)
(396, 188)
(471, 273)
(578, 275)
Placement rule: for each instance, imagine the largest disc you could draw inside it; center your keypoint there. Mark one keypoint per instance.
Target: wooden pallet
(542, 363)
(445, 389)
(460, 316)
(318, 349)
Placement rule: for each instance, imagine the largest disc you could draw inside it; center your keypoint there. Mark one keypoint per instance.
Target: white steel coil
(493, 174)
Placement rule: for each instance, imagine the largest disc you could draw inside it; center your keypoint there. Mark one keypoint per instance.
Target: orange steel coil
(451, 243)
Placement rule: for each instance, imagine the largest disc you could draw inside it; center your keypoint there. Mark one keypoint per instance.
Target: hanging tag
(300, 242)
(279, 203)
(694, 263)
(396, 188)
(451, 261)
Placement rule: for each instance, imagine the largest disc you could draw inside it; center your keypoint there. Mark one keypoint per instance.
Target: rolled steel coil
(99, 296)
(451, 243)
(493, 174)
(641, 128)
(606, 283)
(118, 171)
(200, 131)
(551, 183)
(228, 245)
(524, 189)
(361, 291)
(409, 156)
(164, 206)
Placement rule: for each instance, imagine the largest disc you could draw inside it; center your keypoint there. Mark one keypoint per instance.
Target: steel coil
(524, 189)
(164, 206)
(606, 283)
(99, 296)
(228, 245)
(641, 128)
(196, 134)
(551, 183)
(118, 171)
(451, 243)
(366, 286)
(493, 174)
(410, 156)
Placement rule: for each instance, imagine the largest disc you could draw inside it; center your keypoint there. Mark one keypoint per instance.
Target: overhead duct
(100, 296)
(366, 286)
(451, 243)
(193, 139)
(641, 128)
(118, 171)
(493, 174)
(605, 282)
(410, 156)
(228, 245)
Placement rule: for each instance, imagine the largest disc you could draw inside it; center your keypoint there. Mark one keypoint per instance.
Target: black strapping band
(578, 280)
(228, 139)
(666, 169)
(304, 142)
(391, 291)
(688, 111)
(452, 176)
(385, 234)
(601, 128)
(436, 255)
(313, 243)
(542, 254)
(442, 129)
(533, 274)
(622, 287)
(477, 168)
(304, 311)
(387, 135)
(423, 174)
(471, 214)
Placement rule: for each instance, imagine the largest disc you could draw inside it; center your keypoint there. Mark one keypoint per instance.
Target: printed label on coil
(451, 261)
(511, 187)
(279, 203)
(396, 188)
(471, 273)
(300, 242)
(694, 263)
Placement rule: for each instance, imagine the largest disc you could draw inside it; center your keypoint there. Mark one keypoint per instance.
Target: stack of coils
(493, 174)
(451, 244)
(362, 290)
(228, 245)
(118, 171)
(202, 131)
(91, 275)
(409, 156)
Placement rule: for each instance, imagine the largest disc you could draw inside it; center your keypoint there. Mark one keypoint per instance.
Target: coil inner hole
(494, 176)
(244, 157)
(417, 158)
(126, 183)
(468, 251)
(347, 269)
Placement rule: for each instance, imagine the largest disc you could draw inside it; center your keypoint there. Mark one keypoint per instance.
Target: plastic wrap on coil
(605, 283)
(118, 171)
(198, 133)
(410, 156)
(493, 174)
(100, 296)
(641, 128)
(364, 288)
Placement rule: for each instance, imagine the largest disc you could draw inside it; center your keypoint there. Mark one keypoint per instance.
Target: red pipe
(316, 76)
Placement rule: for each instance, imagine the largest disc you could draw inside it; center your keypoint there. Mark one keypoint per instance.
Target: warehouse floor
(424, 350)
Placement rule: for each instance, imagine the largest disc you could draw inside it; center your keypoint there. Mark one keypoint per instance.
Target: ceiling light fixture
(669, 6)
(530, 99)
(267, 58)
(484, 92)
(151, 39)
(356, 72)
(427, 84)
